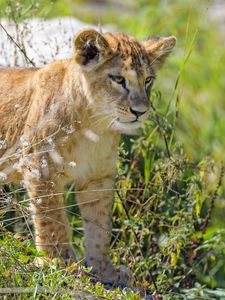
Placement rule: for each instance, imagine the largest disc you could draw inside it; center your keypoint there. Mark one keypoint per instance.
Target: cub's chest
(88, 155)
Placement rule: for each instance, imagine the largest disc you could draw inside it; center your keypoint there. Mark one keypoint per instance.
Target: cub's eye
(149, 80)
(118, 79)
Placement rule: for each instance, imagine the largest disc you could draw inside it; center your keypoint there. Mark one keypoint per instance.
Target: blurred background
(189, 92)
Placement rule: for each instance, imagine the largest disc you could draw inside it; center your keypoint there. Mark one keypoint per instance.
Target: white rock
(44, 40)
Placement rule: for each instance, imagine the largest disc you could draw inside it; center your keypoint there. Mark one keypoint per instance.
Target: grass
(169, 199)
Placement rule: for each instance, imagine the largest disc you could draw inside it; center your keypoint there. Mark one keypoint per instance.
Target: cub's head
(119, 72)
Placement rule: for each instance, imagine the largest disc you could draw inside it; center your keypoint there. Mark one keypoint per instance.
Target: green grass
(167, 179)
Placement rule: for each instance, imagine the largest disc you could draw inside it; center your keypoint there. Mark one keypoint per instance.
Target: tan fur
(62, 124)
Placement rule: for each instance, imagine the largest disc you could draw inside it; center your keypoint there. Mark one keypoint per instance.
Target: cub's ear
(90, 46)
(158, 49)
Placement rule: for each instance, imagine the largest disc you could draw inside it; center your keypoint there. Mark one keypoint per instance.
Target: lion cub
(62, 123)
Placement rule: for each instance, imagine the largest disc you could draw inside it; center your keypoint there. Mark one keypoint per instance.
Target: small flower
(9, 199)
(56, 157)
(8, 10)
(69, 129)
(18, 153)
(24, 183)
(50, 140)
(72, 164)
(3, 144)
(15, 166)
(6, 273)
(19, 6)
(38, 200)
(32, 210)
(35, 173)
(3, 176)
(44, 163)
(23, 142)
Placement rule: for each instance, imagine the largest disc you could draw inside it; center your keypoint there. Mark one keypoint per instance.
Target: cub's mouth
(128, 120)
(128, 127)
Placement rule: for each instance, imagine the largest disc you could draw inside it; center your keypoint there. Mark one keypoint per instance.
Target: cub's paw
(42, 261)
(117, 276)
(68, 255)
(62, 257)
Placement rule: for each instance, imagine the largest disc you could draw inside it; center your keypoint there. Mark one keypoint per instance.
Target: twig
(213, 199)
(18, 46)
(136, 238)
(166, 144)
(163, 135)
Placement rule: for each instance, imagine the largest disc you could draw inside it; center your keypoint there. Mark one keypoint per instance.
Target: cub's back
(15, 83)
(15, 94)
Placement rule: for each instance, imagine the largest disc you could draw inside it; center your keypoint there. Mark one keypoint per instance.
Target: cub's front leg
(95, 201)
(49, 217)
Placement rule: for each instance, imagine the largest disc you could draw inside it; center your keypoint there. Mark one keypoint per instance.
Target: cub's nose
(137, 113)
